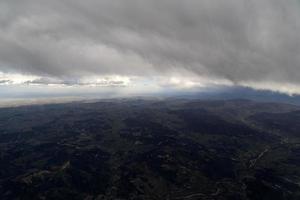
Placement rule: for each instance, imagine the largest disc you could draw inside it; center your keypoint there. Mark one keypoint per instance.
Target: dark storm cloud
(239, 40)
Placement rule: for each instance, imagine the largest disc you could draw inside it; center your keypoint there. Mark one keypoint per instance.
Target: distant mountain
(227, 93)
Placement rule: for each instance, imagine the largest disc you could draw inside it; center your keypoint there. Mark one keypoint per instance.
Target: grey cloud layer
(239, 40)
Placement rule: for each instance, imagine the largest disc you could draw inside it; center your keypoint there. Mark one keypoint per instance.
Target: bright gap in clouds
(121, 84)
(20, 85)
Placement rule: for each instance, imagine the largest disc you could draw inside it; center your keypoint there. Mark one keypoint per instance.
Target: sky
(147, 46)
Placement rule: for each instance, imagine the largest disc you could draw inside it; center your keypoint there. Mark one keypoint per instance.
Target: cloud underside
(184, 43)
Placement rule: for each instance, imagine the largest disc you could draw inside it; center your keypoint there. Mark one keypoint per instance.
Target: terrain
(151, 149)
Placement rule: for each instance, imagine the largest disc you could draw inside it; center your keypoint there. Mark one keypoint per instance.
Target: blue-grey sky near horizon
(140, 46)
